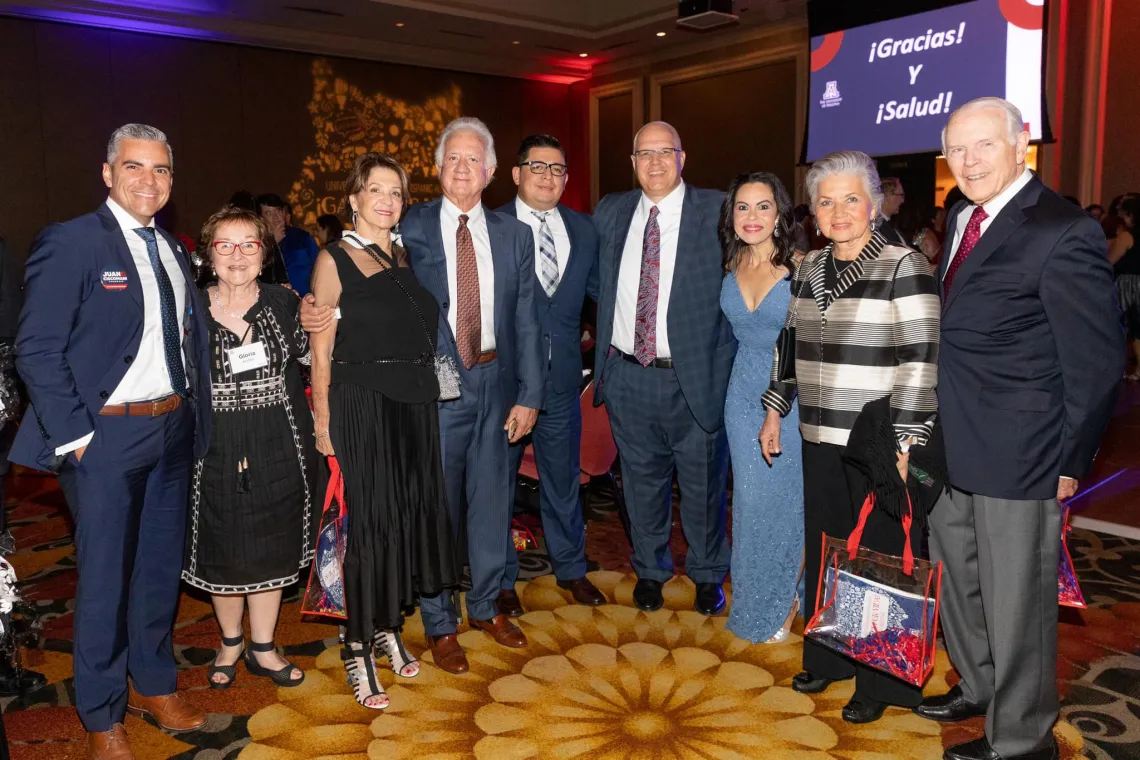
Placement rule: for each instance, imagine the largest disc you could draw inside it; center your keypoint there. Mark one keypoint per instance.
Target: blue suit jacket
(700, 337)
(518, 340)
(1032, 349)
(560, 316)
(77, 339)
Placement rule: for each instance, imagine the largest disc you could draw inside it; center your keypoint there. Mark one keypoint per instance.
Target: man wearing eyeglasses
(113, 349)
(565, 263)
(664, 354)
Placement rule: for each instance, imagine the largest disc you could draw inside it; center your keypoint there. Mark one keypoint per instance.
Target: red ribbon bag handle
(336, 487)
(857, 535)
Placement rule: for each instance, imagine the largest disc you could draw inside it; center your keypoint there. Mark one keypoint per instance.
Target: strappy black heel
(229, 671)
(280, 677)
(389, 644)
(361, 667)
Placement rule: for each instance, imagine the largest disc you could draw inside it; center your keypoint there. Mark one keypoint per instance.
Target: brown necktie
(468, 325)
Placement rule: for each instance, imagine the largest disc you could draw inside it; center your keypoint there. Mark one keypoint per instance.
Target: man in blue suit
(664, 355)
(113, 350)
(566, 268)
(479, 265)
(1031, 358)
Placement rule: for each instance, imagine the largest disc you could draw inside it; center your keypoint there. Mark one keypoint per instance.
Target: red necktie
(969, 239)
(468, 324)
(645, 324)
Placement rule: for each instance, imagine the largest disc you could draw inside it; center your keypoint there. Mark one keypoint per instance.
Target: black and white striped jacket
(875, 335)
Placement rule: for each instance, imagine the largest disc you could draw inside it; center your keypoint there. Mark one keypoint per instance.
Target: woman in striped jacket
(866, 319)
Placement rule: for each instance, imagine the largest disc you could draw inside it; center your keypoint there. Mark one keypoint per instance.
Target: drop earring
(776, 233)
(354, 225)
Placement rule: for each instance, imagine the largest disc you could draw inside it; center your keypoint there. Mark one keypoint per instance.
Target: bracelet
(320, 435)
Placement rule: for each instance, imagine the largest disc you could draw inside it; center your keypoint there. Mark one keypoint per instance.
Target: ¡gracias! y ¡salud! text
(914, 107)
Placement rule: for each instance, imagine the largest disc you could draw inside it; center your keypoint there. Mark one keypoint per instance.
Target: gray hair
(1014, 123)
(468, 124)
(850, 162)
(136, 132)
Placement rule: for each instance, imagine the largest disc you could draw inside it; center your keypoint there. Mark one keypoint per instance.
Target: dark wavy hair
(733, 247)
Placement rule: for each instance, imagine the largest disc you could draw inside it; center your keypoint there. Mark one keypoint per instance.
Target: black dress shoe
(647, 595)
(710, 599)
(509, 604)
(980, 749)
(949, 707)
(17, 684)
(863, 710)
(810, 683)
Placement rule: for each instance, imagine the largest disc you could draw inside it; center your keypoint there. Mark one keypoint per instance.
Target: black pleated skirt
(400, 541)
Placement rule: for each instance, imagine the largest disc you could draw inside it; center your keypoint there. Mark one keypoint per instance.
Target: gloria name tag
(244, 358)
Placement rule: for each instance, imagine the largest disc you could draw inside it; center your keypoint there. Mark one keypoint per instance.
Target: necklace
(227, 312)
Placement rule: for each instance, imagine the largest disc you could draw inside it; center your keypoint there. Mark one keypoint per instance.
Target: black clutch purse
(786, 340)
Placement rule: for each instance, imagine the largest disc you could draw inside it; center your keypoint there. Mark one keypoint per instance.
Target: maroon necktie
(468, 322)
(645, 324)
(969, 239)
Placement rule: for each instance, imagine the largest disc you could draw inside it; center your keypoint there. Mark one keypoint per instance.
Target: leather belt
(661, 362)
(486, 356)
(155, 408)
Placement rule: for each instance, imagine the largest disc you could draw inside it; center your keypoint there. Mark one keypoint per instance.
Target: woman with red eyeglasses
(252, 519)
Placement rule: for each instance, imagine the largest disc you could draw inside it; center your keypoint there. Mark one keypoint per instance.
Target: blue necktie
(171, 344)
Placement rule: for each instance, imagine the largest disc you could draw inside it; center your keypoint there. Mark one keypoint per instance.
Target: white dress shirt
(992, 208)
(557, 230)
(477, 224)
(147, 377)
(629, 274)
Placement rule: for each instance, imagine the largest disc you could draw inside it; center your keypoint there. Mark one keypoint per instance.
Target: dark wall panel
(615, 142)
(736, 122)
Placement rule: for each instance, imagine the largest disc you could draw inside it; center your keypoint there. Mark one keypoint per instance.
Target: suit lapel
(623, 218)
(853, 271)
(948, 243)
(688, 249)
(1003, 225)
(117, 243)
(435, 278)
(498, 237)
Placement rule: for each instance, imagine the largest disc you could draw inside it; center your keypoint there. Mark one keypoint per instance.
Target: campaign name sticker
(114, 280)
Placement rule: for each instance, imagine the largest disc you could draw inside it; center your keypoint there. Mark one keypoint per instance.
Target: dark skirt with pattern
(400, 542)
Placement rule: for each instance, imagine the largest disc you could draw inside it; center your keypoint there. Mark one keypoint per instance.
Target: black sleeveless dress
(384, 428)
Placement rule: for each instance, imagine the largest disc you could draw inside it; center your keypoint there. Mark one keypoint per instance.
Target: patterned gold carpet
(594, 683)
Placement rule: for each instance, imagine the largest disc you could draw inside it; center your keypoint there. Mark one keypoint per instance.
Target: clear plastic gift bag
(875, 608)
(324, 594)
(1068, 589)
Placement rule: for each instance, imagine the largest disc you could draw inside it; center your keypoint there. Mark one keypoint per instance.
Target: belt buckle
(154, 408)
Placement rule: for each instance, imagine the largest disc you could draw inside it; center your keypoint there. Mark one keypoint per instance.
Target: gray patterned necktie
(168, 307)
(547, 256)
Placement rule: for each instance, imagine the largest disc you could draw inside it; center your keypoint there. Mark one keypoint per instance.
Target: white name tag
(876, 613)
(244, 358)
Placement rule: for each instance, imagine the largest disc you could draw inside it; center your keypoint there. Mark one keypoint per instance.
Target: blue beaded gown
(767, 502)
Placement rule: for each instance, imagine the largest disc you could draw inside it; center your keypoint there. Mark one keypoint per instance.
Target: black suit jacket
(11, 294)
(1032, 349)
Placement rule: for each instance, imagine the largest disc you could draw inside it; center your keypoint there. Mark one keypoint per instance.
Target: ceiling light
(400, 24)
(583, 55)
(514, 42)
(661, 34)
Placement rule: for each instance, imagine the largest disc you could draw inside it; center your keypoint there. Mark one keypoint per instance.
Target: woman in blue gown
(767, 502)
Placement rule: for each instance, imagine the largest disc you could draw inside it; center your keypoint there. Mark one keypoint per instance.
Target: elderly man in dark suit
(566, 269)
(664, 354)
(113, 349)
(1032, 353)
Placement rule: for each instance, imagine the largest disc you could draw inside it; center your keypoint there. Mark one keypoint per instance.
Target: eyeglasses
(540, 167)
(226, 248)
(649, 155)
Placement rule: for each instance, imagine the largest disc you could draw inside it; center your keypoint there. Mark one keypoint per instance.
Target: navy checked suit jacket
(700, 337)
(560, 316)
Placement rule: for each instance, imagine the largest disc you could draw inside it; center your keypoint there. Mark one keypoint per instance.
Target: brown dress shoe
(170, 711)
(448, 654)
(509, 604)
(110, 745)
(502, 630)
(583, 592)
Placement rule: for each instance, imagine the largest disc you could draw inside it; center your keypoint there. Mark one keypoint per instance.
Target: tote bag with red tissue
(875, 608)
(1068, 589)
(324, 594)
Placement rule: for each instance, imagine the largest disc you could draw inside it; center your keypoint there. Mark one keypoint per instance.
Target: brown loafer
(509, 603)
(584, 592)
(448, 654)
(170, 711)
(502, 630)
(110, 745)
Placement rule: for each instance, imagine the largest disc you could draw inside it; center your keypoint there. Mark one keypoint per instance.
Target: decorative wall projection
(348, 122)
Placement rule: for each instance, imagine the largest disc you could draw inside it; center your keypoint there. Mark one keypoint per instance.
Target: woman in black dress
(251, 510)
(374, 400)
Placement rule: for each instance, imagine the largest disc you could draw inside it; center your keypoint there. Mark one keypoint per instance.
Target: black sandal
(361, 667)
(280, 677)
(229, 671)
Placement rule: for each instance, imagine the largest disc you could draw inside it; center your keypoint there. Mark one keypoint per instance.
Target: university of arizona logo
(831, 96)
